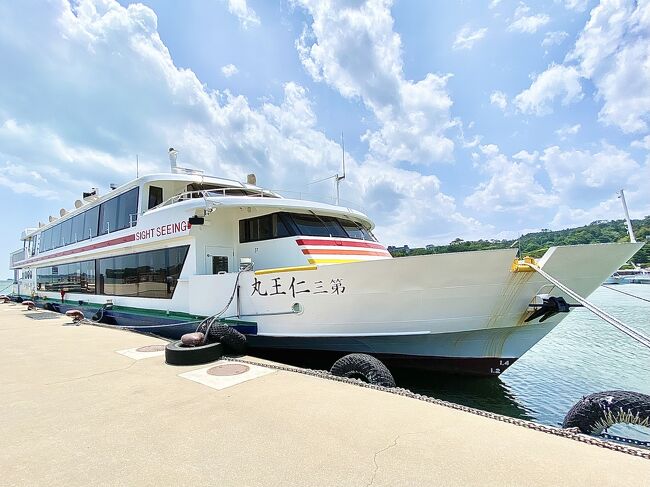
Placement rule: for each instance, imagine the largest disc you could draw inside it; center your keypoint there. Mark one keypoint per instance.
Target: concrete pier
(75, 412)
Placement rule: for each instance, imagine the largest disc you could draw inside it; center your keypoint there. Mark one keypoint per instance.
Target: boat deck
(74, 412)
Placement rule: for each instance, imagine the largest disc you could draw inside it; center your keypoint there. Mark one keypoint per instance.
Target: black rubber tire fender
(596, 412)
(233, 340)
(365, 367)
(176, 354)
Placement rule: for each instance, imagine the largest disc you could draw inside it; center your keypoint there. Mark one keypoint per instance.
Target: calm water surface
(583, 354)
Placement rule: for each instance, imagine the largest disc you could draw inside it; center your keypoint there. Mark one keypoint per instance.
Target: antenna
(137, 166)
(621, 195)
(173, 154)
(340, 178)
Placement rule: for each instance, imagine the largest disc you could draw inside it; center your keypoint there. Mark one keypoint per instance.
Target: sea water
(582, 355)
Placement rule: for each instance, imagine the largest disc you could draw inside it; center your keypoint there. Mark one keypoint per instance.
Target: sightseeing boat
(164, 250)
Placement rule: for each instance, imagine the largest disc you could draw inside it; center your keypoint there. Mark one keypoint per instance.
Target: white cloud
(246, 15)
(120, 94)
(354, 49)
(558, 81)
(529, 24)
(613, 51)
(499, 99)
(567, 130)
(511, 185)
(554, 38)
(527, 157)
(576, 5)
(642, 144)
(466, 37)
(494, 4)
(573, 171)
(229, 70)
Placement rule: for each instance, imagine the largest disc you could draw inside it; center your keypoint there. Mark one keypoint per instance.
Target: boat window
(155, 196)
(321, 226)
(355, 230)
(118, 213)
(87, 277)
(91, 218)
(77, 233)
(108, 216)
(46, 240)
(263, 228)
(56, 236)
(128, 209)
(151, 274)
(66, 231)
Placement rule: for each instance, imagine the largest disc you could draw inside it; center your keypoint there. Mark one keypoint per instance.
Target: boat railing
(217, 192)
(255, 193)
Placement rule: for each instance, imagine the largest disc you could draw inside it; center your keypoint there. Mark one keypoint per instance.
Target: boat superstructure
(292, 274)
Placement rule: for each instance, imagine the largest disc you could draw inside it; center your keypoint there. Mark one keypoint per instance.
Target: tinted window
(155, 196)
(263, 228)
(87, 277)
(108, 216)
(175, 261)
(152, 274)
(66, 231)
(356, 231)
(77, 233)
(46, 241)
(127, 209)
(318, 226)
(77, 277)
(148, 274)
(56, 236)
(91, 218)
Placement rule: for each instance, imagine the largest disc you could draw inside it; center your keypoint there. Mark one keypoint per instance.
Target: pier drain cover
(151, 348)
(228, 369)
(43, 316)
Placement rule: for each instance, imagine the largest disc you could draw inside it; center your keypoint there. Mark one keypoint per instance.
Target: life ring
(364, 367)
(177, 354)
(597, 412)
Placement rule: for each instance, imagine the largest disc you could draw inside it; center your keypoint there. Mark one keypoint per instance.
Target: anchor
(551, 305)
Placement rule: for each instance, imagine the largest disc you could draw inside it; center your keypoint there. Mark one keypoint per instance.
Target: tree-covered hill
(535, 244)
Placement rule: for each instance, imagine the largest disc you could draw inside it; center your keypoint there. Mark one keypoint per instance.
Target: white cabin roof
(274, 199)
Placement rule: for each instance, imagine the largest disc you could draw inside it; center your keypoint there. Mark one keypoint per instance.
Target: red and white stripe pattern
(333, 250)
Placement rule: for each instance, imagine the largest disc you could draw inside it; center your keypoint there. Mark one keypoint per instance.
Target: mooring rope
(629, 331)
(4, 288)
(627, 294)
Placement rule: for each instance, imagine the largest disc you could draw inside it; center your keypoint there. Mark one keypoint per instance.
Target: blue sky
(461, 119)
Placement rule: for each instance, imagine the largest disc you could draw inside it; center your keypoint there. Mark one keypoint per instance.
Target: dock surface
(74, 412)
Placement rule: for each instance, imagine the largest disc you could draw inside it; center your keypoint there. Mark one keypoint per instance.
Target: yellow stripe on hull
(287, 269)
(333, 261)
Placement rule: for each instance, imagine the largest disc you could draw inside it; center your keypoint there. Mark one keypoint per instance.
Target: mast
(621, 195)
(337, 177)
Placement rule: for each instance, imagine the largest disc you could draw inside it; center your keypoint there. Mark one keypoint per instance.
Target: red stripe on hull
(98, 245)
(340, 243)
(343, 252)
